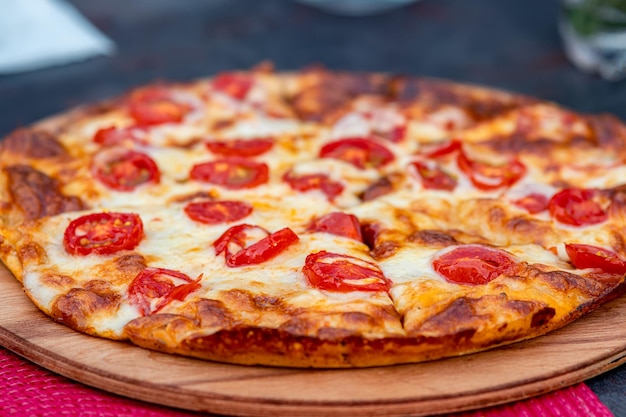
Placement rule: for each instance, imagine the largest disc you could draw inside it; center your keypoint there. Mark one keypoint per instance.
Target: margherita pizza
(316, 218)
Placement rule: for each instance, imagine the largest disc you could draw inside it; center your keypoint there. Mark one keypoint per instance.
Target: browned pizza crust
(464, 325)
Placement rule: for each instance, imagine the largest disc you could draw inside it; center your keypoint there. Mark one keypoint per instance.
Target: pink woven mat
(29, 390)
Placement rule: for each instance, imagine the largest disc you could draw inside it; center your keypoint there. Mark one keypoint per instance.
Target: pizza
(316, 218)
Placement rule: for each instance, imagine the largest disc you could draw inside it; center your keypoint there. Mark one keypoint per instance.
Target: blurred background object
(594, 35)
(356, 7)
(36, 34)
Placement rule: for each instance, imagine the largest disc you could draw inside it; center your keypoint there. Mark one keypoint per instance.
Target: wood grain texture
(583, 349)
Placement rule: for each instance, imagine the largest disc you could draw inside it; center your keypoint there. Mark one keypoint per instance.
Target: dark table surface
(511, 44)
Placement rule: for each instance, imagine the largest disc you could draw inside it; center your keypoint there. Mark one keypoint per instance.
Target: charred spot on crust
(78, 306)
(529, 230)
(213, 313)
(323, 93)
(605, 132)
(542, 317)
(223, 124)
(479, 103)
(100, 287)
(131, 264)
(378, 189)
(37, 194)
(466, 315)
(58, 280)
(31, 143)
(385, 249)
(263, 301)
(31, 252)
(200, 195)
(459, 316)
(241, 299)
(564, 282)
(435, 238)
(519, 143)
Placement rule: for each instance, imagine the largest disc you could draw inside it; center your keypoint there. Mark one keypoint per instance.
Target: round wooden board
(583, 349)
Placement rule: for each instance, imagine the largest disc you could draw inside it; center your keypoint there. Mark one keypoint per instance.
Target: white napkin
(36, 34)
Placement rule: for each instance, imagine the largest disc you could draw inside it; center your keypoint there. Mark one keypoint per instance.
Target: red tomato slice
(112, 136)
(533, 203)
(587, 256)
(343, 273)
(371, 232)
(491, 177)
(473, 264)
(576, 207)
(338, 223)
(433, 177)
(237, 238)
(235, 85)
(234, 243)
(360, 152)
(215, 212)
(322, 182)
(395, 134)
(125, 170)
(103, 233)
(154, 106)
(233, 173)
(386, 125)
(154, 288)
(440, 150)
(241, 147)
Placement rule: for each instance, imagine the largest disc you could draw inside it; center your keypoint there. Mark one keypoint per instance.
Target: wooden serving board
(583, 349)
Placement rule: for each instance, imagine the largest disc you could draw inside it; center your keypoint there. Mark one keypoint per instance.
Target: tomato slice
(232, 173)
(237, 238)
(533, 203)
(322, 182)
(395, 134)
(103, 233)
(112, 136)
(233, 84)
(360, 152)
(154, 106)
(576, 207)
(125, 170)
(371, 232)
(588, 256)
(338, 223)
(343, 273)
(240, 147)
(235, 244)
(439, 150)
(215, 212)
(433, 177)
(154, 288)
(490, 177)
(386, 124)
(473, 264)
